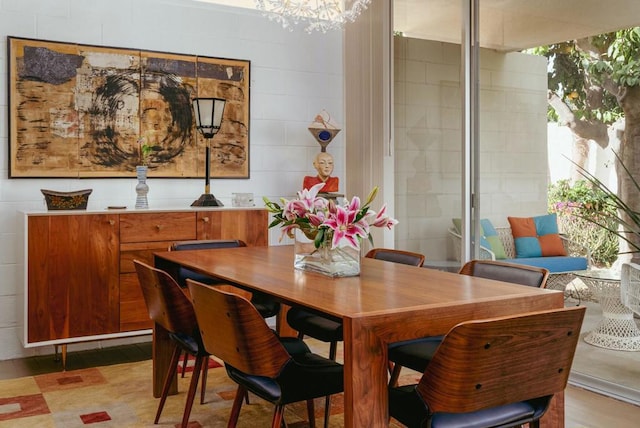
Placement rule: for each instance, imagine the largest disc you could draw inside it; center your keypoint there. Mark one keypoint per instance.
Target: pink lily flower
(381, 219)
(344, 227)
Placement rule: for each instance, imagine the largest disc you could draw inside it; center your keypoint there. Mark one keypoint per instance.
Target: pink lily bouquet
(324, 221)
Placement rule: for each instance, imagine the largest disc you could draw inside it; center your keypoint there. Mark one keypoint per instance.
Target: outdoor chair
(630, 287)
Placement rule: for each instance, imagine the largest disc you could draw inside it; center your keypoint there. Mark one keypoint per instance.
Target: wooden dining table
(387, 302)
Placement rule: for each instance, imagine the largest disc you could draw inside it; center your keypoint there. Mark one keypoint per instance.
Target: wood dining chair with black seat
(416, 354)
(280, 370)
(396, 256)
(326, 329)
(499, 372)
(266, 305)
(170, 307)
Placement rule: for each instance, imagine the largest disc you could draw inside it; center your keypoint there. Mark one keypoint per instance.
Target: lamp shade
(208, 112)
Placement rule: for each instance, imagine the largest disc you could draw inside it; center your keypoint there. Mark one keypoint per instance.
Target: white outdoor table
(617, 329)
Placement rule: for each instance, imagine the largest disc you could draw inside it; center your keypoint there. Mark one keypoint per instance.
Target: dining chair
(170, 307)
(328, 329)
(416, 354)
(499, 372)
(280, 370)
(265, 304)
(396, 256)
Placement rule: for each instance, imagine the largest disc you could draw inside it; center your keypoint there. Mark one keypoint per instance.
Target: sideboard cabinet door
(249, 226)
(73, 284)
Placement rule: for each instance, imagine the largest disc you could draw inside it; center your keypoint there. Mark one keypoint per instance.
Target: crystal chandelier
(317, 15)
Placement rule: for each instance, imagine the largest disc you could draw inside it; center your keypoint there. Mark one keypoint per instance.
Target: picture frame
(85, 111)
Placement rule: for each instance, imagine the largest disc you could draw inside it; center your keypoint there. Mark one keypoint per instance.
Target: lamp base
(207, 200)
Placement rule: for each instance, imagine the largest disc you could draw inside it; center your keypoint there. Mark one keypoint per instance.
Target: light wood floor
(584, 409)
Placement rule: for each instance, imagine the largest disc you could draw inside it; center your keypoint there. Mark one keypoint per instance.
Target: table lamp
(208, 113)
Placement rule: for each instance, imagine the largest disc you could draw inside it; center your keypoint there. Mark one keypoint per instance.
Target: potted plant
(624, 220)
(144, 151)
(326, 234)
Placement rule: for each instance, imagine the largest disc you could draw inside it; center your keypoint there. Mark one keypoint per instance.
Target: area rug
(120, 396)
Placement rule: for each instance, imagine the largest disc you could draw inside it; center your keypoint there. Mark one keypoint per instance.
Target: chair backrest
(508, 272)
(167, 304)
(204, 244)
(488, 363)
(630, 286)
(396, 256)
(233, 330)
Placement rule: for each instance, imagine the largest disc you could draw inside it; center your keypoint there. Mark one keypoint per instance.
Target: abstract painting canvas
(82, 111)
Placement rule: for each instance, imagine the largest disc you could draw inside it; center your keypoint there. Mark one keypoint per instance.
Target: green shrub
(578, 206)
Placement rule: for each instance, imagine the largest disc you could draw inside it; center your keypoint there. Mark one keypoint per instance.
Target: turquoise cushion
(553, 264)
(489, 238)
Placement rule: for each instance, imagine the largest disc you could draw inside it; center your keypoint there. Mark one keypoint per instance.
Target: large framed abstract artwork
(82, 111)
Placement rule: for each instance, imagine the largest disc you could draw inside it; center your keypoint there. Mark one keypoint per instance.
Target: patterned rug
(120, 396)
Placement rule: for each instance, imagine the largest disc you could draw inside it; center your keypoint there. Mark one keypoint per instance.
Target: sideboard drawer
(170, 226)
(142, 251)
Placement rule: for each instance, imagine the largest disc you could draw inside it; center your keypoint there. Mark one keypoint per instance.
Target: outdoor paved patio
(614, 373)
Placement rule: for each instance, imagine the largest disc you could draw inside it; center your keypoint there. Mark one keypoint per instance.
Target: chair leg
(237, 404)
(173, 367)
(191, 394)
(333, 350)
(278, 414)
(327, 410)
(203, 384)
(311, 412)
(184, 363)
(395, 374)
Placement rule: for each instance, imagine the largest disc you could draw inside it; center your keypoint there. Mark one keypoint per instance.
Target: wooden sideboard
(80, 283)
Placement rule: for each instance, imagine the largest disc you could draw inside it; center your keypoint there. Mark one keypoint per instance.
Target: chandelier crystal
(316, 15)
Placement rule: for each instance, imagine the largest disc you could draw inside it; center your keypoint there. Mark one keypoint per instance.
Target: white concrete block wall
(293, 77)
(513, 165)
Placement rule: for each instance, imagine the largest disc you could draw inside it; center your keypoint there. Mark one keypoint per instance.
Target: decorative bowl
(76, 200)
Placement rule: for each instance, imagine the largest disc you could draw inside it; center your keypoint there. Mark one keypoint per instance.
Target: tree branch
(595, 131)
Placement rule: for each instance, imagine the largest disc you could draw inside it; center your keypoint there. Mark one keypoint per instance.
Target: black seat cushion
(414, 354)
(192, 344)
(406, 406)
(317, 326)
(265, 304)
(306, 376)
(184, 274)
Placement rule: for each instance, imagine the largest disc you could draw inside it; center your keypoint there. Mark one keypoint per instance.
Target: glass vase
(341, 261)
(142, 188)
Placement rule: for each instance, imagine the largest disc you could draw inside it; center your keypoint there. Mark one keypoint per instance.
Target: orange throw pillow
(536, 236)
